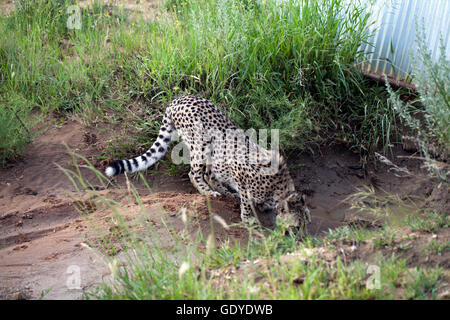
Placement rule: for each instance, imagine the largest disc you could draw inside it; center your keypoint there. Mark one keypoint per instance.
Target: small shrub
(429, 115)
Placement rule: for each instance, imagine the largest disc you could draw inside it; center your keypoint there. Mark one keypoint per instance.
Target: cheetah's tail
(156, 152)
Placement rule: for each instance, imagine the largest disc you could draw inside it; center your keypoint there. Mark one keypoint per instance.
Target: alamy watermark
(73, 281)
(373, 282)
(74, 19)
(230, 145)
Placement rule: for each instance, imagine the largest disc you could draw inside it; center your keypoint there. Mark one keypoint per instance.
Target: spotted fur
(222, 163)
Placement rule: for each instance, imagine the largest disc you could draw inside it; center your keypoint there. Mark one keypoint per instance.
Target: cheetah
(225, 161)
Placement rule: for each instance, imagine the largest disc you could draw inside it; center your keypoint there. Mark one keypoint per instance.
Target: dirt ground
(42, 234)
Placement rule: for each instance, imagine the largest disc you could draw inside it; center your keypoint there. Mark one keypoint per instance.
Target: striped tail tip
(110, 171)
(114, 168)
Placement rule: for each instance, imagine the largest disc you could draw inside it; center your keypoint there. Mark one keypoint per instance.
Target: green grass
(428, 221)
(349, 234)
(435, 247)
(14, 133)
(224, 272)
(255, 271)
(51, 68)
(289, 66)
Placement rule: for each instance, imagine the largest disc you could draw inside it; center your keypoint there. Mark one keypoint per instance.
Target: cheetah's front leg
(218, 186)
(248, 211)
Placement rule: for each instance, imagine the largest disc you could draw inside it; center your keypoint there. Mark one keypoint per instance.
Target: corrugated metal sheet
(394, 28)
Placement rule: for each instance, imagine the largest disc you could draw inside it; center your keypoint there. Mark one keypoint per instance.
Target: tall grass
(53, 67)
(14, 133)
(289, 65)
(46, 67)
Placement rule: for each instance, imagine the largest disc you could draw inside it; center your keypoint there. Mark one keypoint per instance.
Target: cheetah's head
(294, 212)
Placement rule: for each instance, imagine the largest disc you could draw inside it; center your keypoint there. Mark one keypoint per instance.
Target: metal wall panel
(394, 33)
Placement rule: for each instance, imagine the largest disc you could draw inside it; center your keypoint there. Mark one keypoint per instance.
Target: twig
(23, 124)
(393, 82)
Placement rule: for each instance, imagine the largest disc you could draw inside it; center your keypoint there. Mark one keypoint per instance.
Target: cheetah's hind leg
(218, 186)
(196, 176)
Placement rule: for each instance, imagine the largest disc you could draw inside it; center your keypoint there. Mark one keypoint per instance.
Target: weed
(436, 247)
(423, 284)
(429, 222)
(431, 79)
